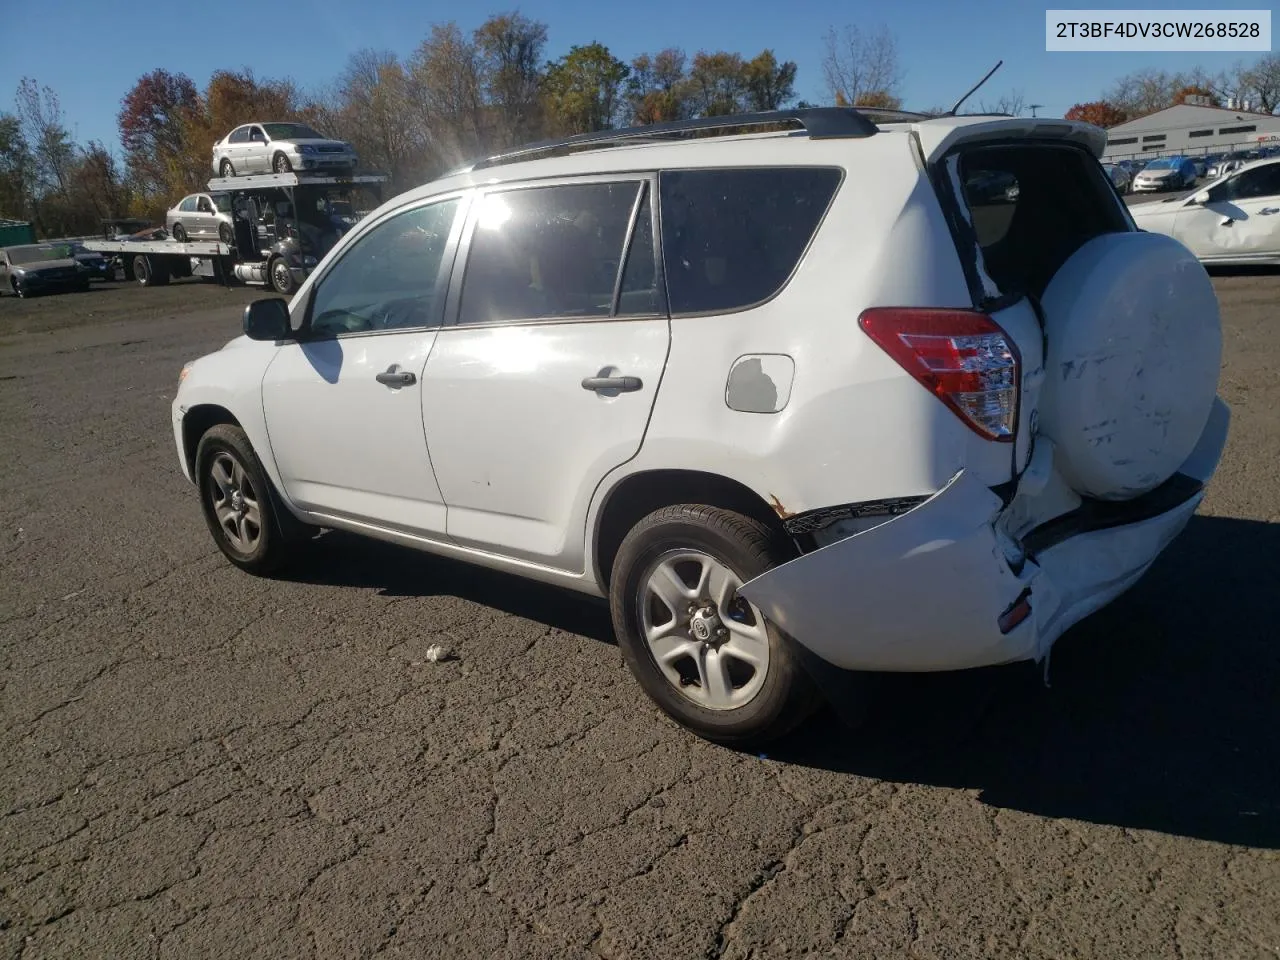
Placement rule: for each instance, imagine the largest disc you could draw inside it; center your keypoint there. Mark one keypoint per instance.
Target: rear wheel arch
(636, 496)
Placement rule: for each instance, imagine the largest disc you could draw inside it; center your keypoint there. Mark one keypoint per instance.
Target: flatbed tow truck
(269, 247)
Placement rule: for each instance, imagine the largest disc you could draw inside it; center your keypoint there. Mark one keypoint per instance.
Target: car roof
(774, 148)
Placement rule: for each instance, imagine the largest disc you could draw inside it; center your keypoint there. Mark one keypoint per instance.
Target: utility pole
(1034, 107)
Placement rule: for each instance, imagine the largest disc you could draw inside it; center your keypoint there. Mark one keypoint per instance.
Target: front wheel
(700, 651)
(227, 170)
(282, 277)
(281, 164)
(235, 496)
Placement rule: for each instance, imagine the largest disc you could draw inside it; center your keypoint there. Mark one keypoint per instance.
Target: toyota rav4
(791, 399)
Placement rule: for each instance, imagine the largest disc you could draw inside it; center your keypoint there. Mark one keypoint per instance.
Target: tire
(226, 465)
(227, 169)
(20, 290)
(82, 287)
(225, 235)
(179, 233)
(150, 273)
(683, 539)
(280, 164)
(281, 277)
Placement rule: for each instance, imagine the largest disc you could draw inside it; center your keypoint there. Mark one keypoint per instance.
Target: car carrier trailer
(283, 225)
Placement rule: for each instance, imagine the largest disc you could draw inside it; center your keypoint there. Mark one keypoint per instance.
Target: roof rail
(818, 122)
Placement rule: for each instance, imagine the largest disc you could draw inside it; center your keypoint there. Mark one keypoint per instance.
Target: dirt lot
(195, 763)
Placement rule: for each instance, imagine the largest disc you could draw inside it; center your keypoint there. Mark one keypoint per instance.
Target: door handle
(393, 376)
(621, 384)
(1267, 211)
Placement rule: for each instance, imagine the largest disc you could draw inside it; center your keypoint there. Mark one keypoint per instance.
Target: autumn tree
(510, 49)
(1010, 103)
(856, 63)
(657, 88)
(151, 120)
(878, 99)
(1261, 83)
(717, 84)
(1098, 112)
(41, 121)
(445, 75)
(583, 89)
(767, 83)
(374, 93)
(16, 170)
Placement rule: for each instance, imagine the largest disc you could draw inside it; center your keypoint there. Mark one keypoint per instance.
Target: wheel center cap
(237, 501)
(703, 624)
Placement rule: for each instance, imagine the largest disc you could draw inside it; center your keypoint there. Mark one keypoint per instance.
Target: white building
(1191, 129)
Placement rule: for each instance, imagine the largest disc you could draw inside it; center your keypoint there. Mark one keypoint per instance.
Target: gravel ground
(196, 763)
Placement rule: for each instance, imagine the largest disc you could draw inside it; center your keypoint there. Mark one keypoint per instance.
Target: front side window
(390, 278)
(548, 252)
(1259, 182)
(204, 206)
(255, 134)
(732, 238)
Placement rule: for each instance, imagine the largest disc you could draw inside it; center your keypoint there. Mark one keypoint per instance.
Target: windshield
(39, 254)
(290, 131)
(222, 201)
(1160, 165)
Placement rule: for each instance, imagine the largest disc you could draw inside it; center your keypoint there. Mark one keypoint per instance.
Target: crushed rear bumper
(928, 590)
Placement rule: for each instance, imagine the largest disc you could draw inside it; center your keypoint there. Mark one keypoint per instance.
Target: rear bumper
(928, 590)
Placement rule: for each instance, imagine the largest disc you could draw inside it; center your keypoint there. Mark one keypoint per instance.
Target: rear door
(544, 377)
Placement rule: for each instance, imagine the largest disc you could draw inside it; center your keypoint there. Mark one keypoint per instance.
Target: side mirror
(267, 319)
(1201, 198)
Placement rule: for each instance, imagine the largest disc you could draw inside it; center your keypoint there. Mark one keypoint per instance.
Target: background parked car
(1223, 165)
(97, 265)
(1121, 179)
(280, 148)
(1234, 221)
(1165, 173)
(40, 268)
(201, 216)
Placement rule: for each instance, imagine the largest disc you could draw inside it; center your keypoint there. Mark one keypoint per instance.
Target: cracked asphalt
(196, 763)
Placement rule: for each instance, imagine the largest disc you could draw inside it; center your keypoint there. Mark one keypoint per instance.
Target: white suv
(793, 400)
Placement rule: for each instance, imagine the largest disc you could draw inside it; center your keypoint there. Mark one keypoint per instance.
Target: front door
(344, 404)
(543, 379)
(1241, 219)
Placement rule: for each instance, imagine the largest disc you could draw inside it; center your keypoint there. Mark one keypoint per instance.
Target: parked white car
(1235, 220)
(776, 451)
(280, 148)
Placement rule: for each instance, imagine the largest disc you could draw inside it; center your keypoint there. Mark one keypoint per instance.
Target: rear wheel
(150, 273)
(704, 654)
(180, 233)
(280, 164)
(235, 497)
(225, 234)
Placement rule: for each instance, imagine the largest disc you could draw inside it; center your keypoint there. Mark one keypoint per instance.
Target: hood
(240, 341)
(90, 255)
(1156, 174)
(312, 142)
(40, 266)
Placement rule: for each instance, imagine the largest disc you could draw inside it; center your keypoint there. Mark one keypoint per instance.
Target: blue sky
(93, 53)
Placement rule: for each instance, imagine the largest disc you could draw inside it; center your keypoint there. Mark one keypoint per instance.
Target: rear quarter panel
(855, 426)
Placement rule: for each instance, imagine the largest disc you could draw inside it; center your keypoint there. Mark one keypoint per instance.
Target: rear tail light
(961, 356)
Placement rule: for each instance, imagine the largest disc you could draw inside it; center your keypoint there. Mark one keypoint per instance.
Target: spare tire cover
(1134, 346)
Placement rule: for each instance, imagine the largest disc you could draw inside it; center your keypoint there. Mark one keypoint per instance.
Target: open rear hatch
(1116, 340)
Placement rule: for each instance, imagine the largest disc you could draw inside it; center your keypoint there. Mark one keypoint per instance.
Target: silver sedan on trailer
(280, 148)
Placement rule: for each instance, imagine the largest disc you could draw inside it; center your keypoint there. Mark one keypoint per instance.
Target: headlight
(308, 261)
(19, 272)
(186, 369)
(307, 148)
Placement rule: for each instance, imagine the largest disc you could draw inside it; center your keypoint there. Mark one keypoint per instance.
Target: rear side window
(1029, 208)
(732, 237)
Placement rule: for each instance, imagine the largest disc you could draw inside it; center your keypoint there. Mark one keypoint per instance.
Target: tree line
(458, 96)
(1146, 91)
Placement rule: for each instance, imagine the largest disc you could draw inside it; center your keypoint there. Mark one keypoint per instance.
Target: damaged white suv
(792, 400)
